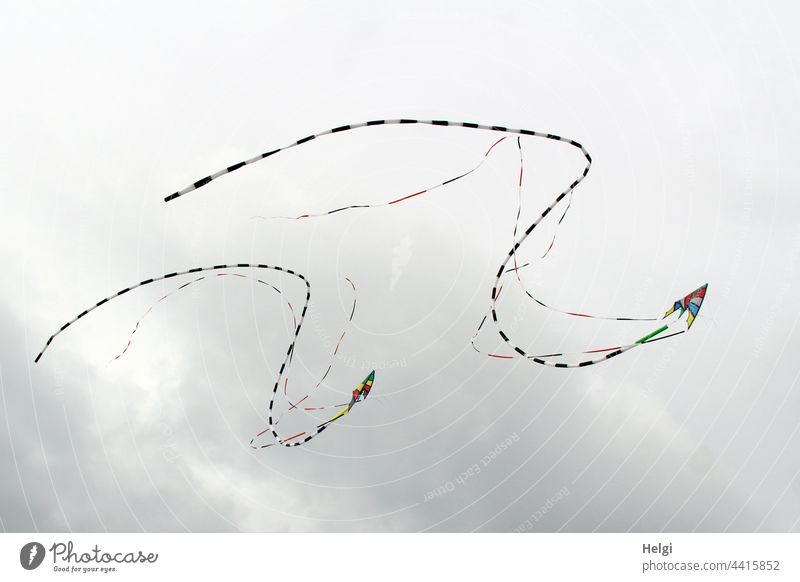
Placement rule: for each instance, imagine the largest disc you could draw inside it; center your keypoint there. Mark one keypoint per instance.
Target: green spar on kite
(652, 334)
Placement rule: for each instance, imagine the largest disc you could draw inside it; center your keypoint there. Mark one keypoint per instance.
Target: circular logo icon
(31, 555)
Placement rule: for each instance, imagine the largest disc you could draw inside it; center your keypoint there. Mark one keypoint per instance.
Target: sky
(689, 113)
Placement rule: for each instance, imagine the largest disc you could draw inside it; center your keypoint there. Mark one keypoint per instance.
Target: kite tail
(290, 441)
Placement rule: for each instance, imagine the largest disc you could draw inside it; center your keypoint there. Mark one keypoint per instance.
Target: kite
(691, 303)
(359, 393)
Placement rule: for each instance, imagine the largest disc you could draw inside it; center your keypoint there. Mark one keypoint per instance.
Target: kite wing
(365, 386)
(690, 303)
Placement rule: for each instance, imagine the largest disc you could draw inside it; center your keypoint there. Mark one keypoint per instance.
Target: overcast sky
(690, 114)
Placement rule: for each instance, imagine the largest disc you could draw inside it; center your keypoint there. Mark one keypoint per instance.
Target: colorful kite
(690, 302)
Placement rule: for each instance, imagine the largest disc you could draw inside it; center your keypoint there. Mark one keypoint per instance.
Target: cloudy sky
(690, 114)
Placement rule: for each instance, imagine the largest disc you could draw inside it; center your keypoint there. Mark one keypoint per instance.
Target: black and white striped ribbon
(285, 441)
(517, 242)
(503, 269)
